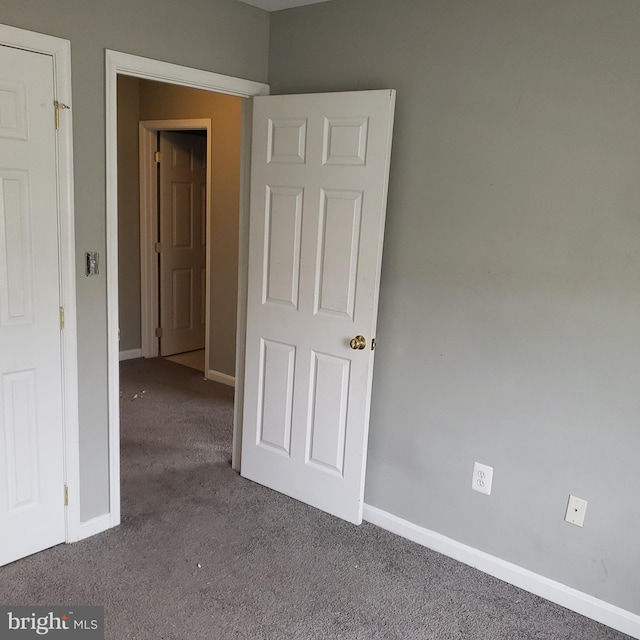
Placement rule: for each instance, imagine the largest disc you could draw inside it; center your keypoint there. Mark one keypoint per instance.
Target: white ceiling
(276, 5)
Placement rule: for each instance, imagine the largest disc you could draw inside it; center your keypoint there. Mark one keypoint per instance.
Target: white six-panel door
(31, 416)
(319, 174)
(183, 187)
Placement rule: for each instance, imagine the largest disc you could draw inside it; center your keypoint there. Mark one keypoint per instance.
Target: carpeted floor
(203, 554)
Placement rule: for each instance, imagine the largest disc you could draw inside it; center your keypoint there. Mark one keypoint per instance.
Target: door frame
(118, 63)
(149, 272)
(60, 50)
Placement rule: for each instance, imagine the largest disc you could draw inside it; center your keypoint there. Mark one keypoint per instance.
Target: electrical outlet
(576, 508)
(482, 478)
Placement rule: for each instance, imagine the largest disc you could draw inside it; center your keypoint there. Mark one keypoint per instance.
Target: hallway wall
(160, 101)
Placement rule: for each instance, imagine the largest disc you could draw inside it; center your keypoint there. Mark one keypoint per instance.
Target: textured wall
(510, 298)
(224, 36)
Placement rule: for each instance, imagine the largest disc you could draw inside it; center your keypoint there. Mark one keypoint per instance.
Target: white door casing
(319, 174)
(32, 513)
(183, 259)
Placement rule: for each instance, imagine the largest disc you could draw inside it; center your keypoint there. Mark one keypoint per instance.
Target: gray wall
(147, 100)
(510, 300)
(224, 36)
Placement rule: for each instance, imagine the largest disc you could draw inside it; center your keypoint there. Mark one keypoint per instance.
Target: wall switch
(482, 478)
(576, 509)
(91, 263)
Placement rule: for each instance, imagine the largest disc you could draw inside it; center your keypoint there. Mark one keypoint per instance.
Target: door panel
(318, 197)
(282, 245)
(327, 425)
(183, 240)
(277, 375)
(31, 418)
(338, 250)
(16, 252)
(21, 439)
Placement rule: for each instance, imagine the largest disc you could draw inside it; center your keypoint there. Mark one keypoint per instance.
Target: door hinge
(61, 318)
(66, 495)
(373, 344)
(159, 332)
(58, 106)
(157, 156)
(158, 247)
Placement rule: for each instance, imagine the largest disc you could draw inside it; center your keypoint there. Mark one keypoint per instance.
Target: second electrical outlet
(482, 478)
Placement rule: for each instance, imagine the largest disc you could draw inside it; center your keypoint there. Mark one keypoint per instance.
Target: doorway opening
(175, 246)
(187, 223)
(134, 67)
(178, 200)
(184, 247)
(175, 243)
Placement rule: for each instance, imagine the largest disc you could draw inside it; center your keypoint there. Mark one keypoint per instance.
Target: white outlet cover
(576, 509)
(482, 478)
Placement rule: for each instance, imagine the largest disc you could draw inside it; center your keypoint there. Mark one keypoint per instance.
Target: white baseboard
(131, 354)
(216, 376)
(565, 596)
(94, 526)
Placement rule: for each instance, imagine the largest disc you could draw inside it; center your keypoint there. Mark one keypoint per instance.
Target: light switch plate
(91, 263)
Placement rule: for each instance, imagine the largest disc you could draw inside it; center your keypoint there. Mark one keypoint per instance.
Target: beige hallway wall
(128, 213)
(159, 101)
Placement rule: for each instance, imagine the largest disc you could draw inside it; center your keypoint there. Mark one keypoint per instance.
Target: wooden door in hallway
(182, 202)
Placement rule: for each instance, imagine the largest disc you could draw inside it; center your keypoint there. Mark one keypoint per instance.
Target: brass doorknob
(358, 342)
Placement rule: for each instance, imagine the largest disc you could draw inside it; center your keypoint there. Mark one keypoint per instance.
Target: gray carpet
(203, 554)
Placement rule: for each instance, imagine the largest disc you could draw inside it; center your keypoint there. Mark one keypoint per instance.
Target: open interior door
(319, 174)
(183, 256)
